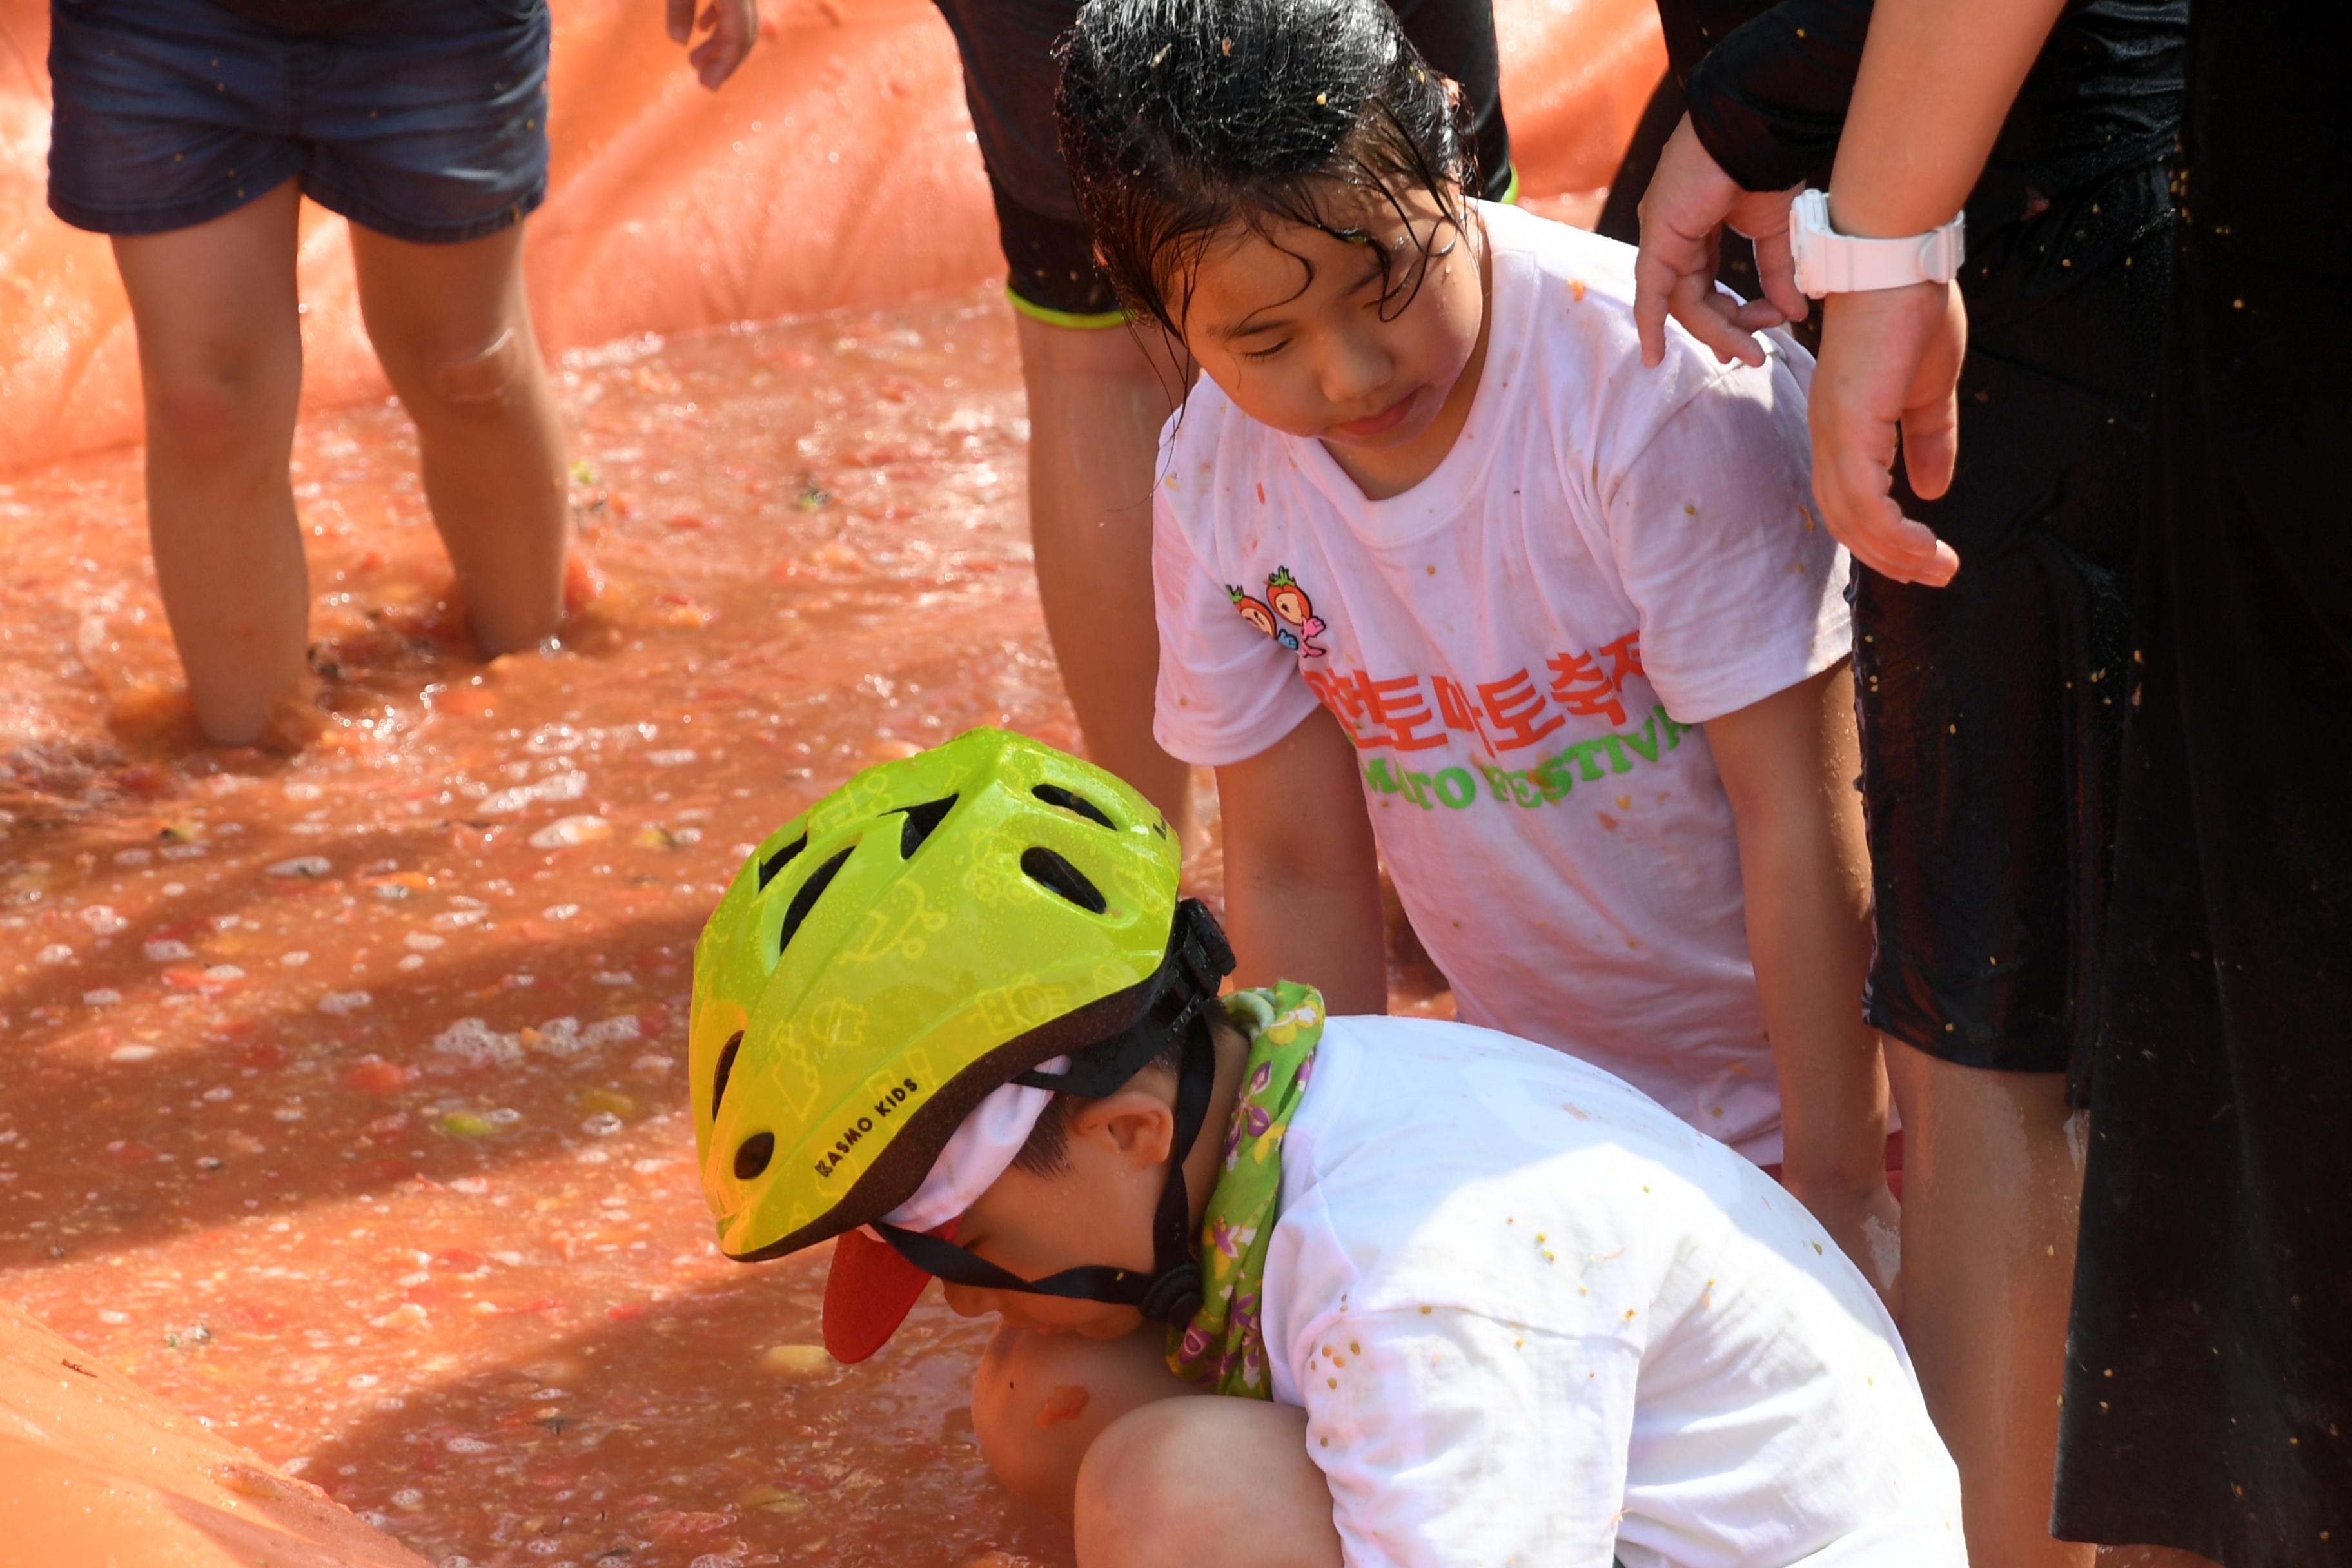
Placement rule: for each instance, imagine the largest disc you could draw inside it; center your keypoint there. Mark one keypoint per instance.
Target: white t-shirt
(1520, 646)
(1534, 1319)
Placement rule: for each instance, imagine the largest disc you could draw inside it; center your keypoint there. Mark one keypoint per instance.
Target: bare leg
(1991, 1191)
(452, 328)
(1097, 401)
(1183, 1482)
(220, 370)
(1041, 1400)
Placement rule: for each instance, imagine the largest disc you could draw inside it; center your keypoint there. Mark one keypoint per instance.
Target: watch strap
(1829, 262)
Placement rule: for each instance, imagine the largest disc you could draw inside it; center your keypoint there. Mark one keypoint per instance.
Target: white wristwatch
(1829, 262)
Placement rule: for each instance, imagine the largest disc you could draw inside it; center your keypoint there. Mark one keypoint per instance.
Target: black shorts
(1992, 711)
(1008, 78)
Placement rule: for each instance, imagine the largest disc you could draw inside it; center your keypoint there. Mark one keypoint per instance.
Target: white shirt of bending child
(1533, 1319)
(1521, 646)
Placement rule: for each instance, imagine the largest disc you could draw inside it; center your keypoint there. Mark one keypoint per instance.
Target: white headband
(981, 1151)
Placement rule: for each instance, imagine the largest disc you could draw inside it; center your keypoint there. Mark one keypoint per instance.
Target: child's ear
(1132, 1125)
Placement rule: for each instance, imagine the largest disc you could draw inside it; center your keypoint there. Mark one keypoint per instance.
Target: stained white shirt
(1521, 646)
(1534, 1319)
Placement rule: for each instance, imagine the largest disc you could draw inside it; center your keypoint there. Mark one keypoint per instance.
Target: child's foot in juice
(152, 713)
(583, 583)
(591, 608)
(296, 720)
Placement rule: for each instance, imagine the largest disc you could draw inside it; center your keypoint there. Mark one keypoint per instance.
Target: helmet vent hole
(920, 821)
(726, 1065)
(1049, 869)
(1054, 795)
(753, 1155)
(805, 899)
(779, 860)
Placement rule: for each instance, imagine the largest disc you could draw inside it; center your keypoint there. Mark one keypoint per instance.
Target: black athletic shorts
(1009, 77)
(1992, 711)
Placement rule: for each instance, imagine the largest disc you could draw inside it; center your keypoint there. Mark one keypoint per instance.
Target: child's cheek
(1286, 401)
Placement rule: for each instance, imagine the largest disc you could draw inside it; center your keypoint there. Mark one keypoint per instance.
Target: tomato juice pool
(346, 1099)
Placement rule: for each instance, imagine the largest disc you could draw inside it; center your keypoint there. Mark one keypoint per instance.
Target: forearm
(1302, 876)
(1936, 83)
(1811, 946)
(1317, 925)
(1805, 870)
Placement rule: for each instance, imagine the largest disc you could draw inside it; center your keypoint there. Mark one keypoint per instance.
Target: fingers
(1854, 493)
(1710, 315)
(1754, 316)
(1763, 217)
(1674, 276)
(1893, 545)
(1853, 481)
(1931, 412)
(1654, 279)
(1776, 269)
(1931, 445)
(1896, 546)
(1682, 218)
(1889, 364)
(679, 18)
(734, 28)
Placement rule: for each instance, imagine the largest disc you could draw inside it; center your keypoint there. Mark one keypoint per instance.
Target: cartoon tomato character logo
(1285, 607)
(1291, 603)
(1252, 611)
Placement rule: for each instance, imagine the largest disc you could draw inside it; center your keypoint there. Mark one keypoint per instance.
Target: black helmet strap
(1198, 960)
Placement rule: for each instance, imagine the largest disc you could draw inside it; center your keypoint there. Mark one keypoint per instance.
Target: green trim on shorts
(1084, 321)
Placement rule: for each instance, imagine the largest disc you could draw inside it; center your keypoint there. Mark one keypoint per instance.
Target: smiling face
(1306, 332)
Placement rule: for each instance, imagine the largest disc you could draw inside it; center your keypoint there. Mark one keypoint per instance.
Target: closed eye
(1268, 352)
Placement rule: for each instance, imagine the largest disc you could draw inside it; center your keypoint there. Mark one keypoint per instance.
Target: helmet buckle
(1174, 1295)
(1206, 955)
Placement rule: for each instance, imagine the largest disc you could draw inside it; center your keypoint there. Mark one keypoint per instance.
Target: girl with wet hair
(1445, 578)
(1099, 382)
(1170, 143)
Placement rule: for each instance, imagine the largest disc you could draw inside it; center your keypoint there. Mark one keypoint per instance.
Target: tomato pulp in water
(348, 1107)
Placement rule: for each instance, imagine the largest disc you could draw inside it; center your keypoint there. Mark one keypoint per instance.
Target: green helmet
(931, 930)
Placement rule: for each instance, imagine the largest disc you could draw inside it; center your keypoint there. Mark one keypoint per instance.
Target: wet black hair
(1181, 118)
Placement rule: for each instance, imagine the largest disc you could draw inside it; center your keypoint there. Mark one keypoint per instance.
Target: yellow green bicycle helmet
(932, 930)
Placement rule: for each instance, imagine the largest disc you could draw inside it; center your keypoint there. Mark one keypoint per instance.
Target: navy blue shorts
(429, 124)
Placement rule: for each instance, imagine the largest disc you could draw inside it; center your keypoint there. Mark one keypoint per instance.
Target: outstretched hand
(1689, 201)
(1890, 360)
(733, 26)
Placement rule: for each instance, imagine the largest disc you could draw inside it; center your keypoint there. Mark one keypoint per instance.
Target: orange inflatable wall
(836, 169)
(94, 1472)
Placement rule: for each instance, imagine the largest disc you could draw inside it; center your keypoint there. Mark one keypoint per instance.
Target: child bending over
(1429, 539)
(1469, 1300)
